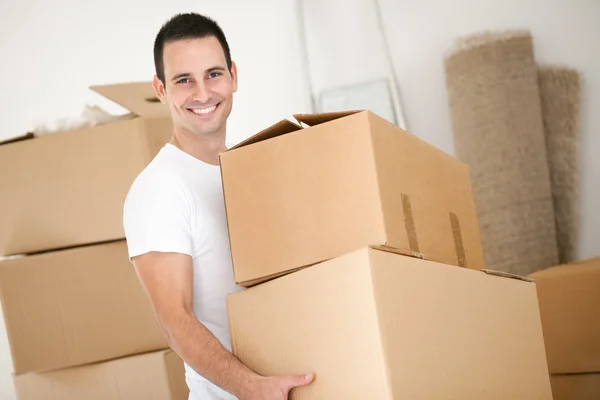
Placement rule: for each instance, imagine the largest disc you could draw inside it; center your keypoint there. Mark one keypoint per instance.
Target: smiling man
(174, 215)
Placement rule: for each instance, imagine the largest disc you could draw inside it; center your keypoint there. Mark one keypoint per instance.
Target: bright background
(53, 51)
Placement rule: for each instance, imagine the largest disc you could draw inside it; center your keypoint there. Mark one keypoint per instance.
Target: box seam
(541, 329)
(377, 180)
(227, 219)
(232, 338)
(143, 135)
(165, 372)
(17, 367)
(383, 358)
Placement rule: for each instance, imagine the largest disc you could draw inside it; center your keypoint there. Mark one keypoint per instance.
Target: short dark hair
(187, 26)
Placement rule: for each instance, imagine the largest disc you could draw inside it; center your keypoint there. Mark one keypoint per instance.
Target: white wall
(345, 47)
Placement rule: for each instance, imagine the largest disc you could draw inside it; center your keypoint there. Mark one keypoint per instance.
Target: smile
(206, 111)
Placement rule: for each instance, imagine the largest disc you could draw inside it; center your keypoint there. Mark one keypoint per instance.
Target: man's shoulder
(153, 193)
(160, 176)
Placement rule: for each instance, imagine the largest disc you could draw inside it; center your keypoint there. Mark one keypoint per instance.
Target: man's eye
(183, 80)
(214, 74)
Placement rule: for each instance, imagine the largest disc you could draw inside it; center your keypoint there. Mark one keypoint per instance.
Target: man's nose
(202, 93)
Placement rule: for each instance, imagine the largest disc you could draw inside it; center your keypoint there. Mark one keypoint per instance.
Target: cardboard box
(295, 197)
(576, 386)
(153, 376)
(74, 307)
(372, 324)
(68, 188)
(569, 297)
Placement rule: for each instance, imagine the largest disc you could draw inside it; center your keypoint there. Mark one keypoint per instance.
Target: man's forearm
(202, 351)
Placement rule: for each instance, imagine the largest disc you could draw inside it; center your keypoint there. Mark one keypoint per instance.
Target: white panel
(374, 96)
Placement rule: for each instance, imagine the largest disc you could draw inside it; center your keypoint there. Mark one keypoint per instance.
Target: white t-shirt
(176, 205)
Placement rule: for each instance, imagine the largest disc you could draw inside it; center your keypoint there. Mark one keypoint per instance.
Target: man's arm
(167, 279)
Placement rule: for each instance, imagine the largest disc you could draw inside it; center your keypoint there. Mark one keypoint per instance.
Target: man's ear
(160, 89)
(234, 76)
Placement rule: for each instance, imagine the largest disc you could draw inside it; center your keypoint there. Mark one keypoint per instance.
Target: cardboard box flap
(138, 97)
(28, 135)
(286, 126)
(563, 271)
(280, 128)
(507, 275)
(316, 119)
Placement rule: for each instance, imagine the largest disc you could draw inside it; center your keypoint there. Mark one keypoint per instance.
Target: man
(174, 215)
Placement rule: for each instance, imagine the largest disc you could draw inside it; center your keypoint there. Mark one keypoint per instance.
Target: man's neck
(204, 148)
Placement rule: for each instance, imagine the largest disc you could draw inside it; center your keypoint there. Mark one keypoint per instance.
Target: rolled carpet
(560, 93)
(498, 131)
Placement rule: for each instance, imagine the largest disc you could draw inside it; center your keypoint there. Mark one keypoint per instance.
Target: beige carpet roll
(498, 131)
(560, 95)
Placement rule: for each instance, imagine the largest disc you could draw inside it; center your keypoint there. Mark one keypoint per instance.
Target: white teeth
(206, 110)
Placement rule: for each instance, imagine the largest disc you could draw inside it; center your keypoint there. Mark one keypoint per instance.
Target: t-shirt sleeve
(157, 217)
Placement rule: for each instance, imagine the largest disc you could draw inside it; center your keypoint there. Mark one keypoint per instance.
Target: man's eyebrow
(179, 76)
(208, 71)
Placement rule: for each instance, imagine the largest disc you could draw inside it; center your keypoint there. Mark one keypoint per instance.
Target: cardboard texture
(569, 297)
(68, 188)
(576, 387)
(305, 195)
(76, 306)
(153, 376)
(373, 324)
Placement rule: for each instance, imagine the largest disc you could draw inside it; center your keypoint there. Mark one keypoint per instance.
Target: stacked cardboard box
(569, 298)
(152, 376)
(359, 246)
(78, 322)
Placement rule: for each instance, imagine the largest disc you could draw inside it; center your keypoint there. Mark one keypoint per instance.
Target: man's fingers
(299, 380)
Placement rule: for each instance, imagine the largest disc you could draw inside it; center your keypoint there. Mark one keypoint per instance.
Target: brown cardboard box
(575, 386)
(295, 197)
(152, 376)
(65, 189)
(372, 324)
(569, 297)
(74, 307)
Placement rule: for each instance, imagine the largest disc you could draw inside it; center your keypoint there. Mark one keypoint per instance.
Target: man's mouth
(204, 111)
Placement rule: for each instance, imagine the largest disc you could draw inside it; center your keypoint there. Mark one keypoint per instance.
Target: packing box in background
(152, 376)
(576, 386)
(68, 188)
(372, 324)
(74, 307)
(295, 197)
(569, 297)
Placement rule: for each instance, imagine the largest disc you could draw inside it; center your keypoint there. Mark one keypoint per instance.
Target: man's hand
(277, 387)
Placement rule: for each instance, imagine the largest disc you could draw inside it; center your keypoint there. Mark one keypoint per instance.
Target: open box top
(137, 97)
(300, 121)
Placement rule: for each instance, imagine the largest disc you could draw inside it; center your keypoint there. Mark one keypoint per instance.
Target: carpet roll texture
(560, 93)
(496, 115)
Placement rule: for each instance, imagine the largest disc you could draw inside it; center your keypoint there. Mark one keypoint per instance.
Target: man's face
(198, 87)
